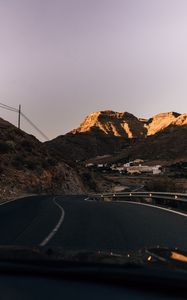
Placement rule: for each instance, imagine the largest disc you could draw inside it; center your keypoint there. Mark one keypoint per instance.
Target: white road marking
(6, 202)
(90, 200)
(55, 229)
(15, 199)
(154, 206)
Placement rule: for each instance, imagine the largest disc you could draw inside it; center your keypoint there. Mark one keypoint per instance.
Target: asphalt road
(76, 224)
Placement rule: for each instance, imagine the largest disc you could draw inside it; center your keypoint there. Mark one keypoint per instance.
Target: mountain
(126, 125)
(80, 146)
(103, 132)
(26, 166)
(170, 144)
(113, 124)
(29, 166)
(160, 122)
(109, 132)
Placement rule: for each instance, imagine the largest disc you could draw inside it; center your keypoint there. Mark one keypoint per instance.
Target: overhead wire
(33, 125)
(10, 108)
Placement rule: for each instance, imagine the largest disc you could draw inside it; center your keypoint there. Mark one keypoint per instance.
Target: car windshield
(93, 126)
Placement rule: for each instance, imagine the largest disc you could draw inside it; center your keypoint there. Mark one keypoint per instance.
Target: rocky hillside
(113, 124)
(27, 167)
(108, 132)
(170, 144)
(127, 125)
(160, 122)
(80, 146)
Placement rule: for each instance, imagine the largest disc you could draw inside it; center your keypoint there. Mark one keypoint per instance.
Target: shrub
(27, 145)
(6, 147)
(18, 162)
(163, 185)
(11, 145)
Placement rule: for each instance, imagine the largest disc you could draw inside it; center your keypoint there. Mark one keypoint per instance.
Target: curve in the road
(107, 226)
(57, 226)
(89, 225)
(154, 206)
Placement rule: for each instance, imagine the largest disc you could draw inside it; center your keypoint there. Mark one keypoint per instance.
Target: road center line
(154, 206)
(55, 229)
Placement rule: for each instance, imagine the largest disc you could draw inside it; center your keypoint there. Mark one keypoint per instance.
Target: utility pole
(19, 115)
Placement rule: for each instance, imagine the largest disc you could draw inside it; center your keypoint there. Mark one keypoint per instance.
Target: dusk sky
(62, 59)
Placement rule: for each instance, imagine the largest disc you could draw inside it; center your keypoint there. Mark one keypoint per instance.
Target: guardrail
(171, 200)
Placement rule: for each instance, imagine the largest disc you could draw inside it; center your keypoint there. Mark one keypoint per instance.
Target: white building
(100, 165)
(89, 165)
(144, 169)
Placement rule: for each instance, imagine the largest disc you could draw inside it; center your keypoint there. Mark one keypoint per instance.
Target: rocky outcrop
(26, 166)
(127, 125)
(160, 122)
(113, 124)
(109, 132)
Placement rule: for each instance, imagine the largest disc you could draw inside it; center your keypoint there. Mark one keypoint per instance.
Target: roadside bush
(6, 147)
(27, 145)
(3, 148)
(18, 162)
(31, 164)
(163, 185)
(49, 162)
(11, 145)
(89, 181)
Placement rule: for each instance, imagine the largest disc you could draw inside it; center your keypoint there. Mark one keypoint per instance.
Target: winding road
(72, 222)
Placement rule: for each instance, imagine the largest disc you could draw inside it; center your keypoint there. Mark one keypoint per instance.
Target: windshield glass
(93, 126)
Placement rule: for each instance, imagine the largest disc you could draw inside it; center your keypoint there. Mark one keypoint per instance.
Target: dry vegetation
(27, 167)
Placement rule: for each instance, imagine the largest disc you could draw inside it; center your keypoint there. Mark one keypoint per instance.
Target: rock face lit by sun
(127, 125)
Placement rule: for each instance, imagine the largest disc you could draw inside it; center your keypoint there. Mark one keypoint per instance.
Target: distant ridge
(113, 124)
(107, 132)
(124, 124)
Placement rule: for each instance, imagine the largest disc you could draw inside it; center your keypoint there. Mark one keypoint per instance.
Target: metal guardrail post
(175, 200)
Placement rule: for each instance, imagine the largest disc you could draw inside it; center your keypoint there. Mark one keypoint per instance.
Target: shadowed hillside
(27, 167)
(107, 132)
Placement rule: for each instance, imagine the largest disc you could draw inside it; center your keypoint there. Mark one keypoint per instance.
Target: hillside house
(89, 165)
(144, 169)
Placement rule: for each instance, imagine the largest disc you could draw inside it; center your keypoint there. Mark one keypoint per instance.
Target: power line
(33, 125)
(10, 108)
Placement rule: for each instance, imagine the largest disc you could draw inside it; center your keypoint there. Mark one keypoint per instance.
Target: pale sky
(62, 59)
